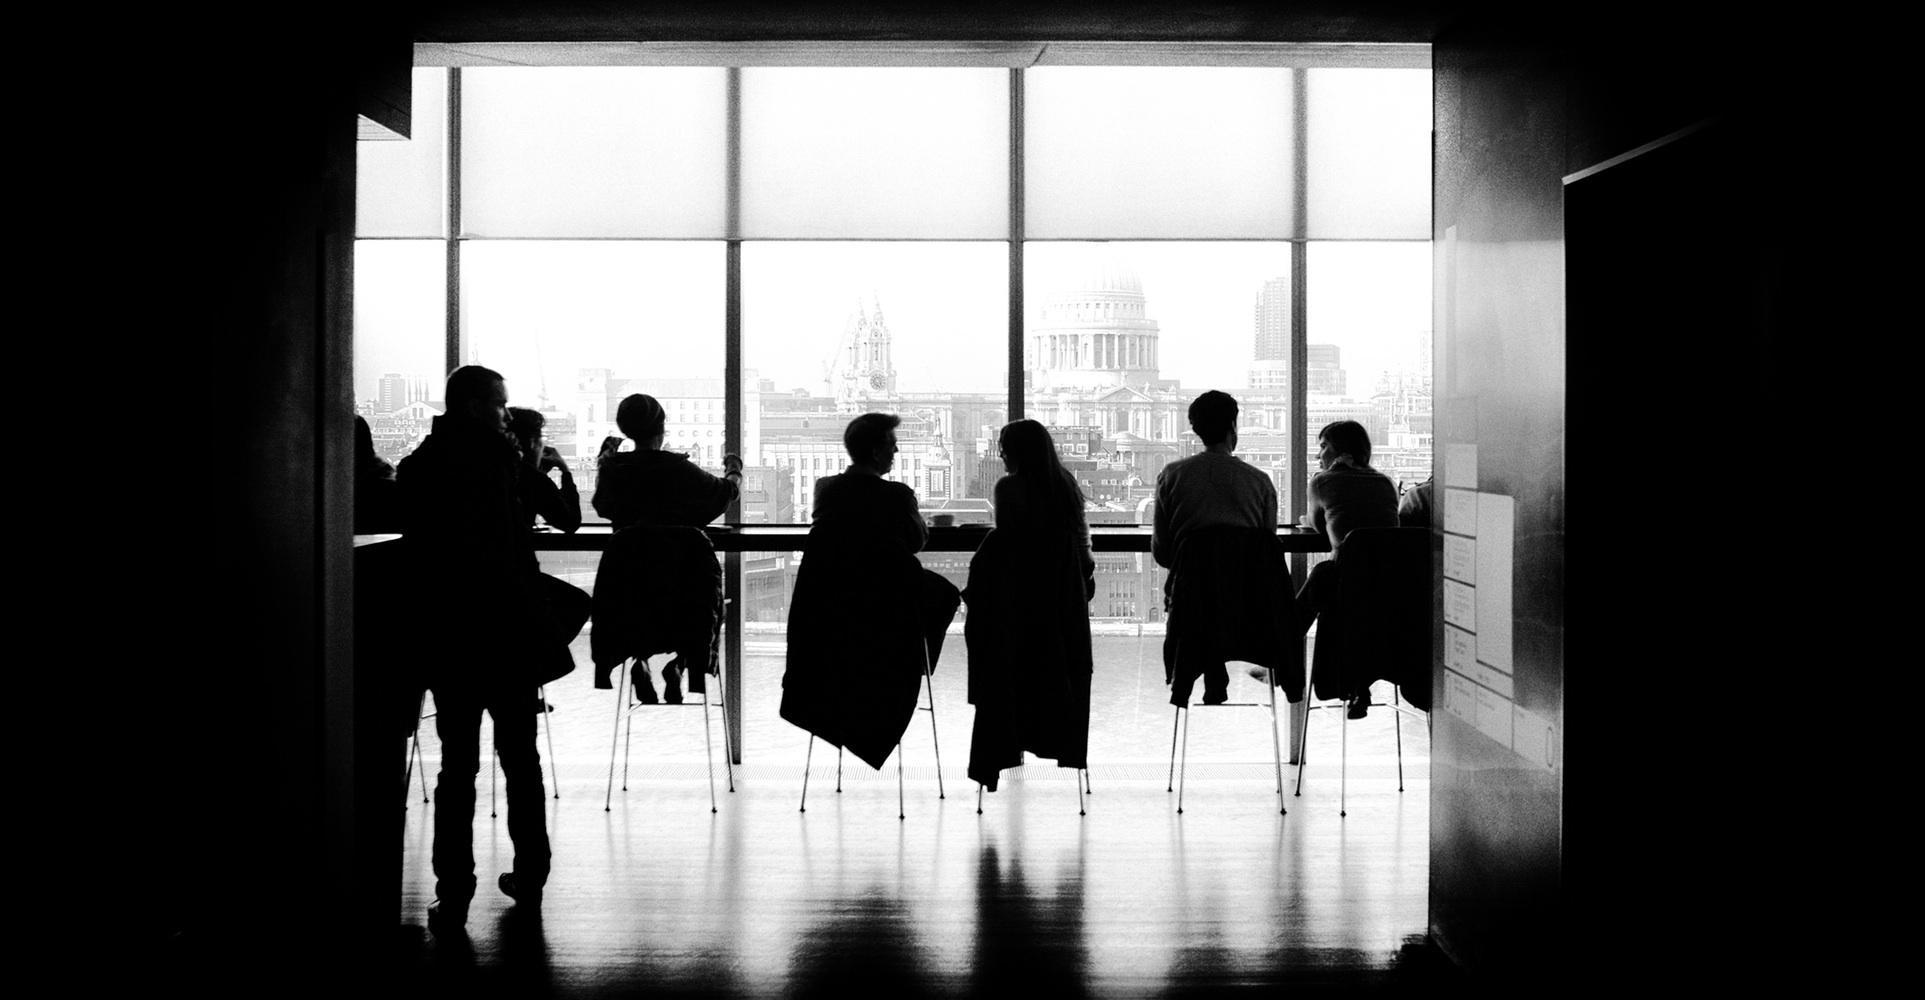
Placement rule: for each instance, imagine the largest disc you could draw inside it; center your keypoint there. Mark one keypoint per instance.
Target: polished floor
(660, 896)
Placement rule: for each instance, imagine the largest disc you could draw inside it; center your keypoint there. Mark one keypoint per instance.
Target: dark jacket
(560, 506)
(1029, 650)
(659, 488)
(658, 590)
(480, 622)
(856, 651)
(1230, 599)
(1380, 626)
(856, 501)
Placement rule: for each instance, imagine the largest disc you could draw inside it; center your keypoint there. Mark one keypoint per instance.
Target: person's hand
(731, 464)
(610, 445)
(551, 459)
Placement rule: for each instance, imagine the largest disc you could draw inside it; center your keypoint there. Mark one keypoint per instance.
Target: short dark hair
(865, 434)
(469, 384)
(524, 424)
(1348, 437)
(1213, 416)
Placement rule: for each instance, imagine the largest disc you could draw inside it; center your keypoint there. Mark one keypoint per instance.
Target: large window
(1090, 246)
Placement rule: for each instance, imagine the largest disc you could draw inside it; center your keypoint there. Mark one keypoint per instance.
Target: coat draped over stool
(658, 590)
(1229, 598)
(1029, 651)
(858, 623)
(1380, 627)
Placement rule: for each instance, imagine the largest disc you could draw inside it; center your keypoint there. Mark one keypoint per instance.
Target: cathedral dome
(1103, 272)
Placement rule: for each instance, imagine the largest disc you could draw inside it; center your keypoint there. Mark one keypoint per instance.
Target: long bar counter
(942, 538)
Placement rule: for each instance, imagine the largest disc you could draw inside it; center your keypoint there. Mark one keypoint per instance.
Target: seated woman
(651, 487)
(1348, 494)
(1030, 584)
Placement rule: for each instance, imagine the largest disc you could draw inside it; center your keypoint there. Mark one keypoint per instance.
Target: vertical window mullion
(1299, 313)
(451, 234)
(732, 436)
(1016, 331)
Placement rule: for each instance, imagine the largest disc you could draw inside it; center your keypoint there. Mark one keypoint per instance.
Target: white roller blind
(875, 153)
(1158, 153)
(630, 152)
(400, 186)
(1369, 153)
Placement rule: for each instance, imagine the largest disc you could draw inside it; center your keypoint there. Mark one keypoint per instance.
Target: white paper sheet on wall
(1460, 466)
(1460, 605)
(1460, 558)
(1460, 512)
(1533, 737)
(1496, 517)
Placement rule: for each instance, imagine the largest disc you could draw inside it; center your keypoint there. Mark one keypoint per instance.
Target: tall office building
(1269, 370)
(1326, 374)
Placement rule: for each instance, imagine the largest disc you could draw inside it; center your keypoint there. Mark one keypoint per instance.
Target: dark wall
(204, 171)
(1587, 333)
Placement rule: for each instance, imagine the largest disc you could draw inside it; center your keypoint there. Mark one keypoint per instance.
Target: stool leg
(1086, 783)
(554, 773)
(979, 798)
(1080, 811)
(930, 676)
(901, 812)
(407, 777)
(494, 765)
(1174, 720)
(1185, 772)
(613, 737)
(728, 741)
(1343, 767)
(838, 770)
(1276, 739)
(805, 774)
(1397, 719)
(1303, 738)
(708, 745)
(628, 741)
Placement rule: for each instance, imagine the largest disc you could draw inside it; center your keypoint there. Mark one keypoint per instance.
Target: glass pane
(621, 152)
(400, 353)
(1370, 351)
(875, 153)
(1158, 153)
(1120, 337)
(401, 186)
(830, 330)
(574, 327)
(1369, 153)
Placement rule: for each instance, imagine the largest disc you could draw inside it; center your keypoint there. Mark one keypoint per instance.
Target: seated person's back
(651, 486)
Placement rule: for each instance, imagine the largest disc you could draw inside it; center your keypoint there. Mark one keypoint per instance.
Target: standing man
(486, 641)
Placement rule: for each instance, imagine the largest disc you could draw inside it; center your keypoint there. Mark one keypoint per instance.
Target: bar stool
(414, 755)
(1182, 718)
(626, 705)
(902, 812)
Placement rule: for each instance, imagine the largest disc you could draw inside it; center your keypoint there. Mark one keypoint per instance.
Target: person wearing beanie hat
(654, 487)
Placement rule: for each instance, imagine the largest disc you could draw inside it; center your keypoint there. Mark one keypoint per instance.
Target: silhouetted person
(657, 487)
(559, 504)
(487, 640)
(1030, 585)
(377, 502)
(1212, 491)
(568, 606)
(866, 616)
(652, 487)
(861, 500)
(1348, 494)
(1414, 510)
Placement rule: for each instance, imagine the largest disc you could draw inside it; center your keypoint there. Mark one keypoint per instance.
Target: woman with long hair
(1030, 584)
